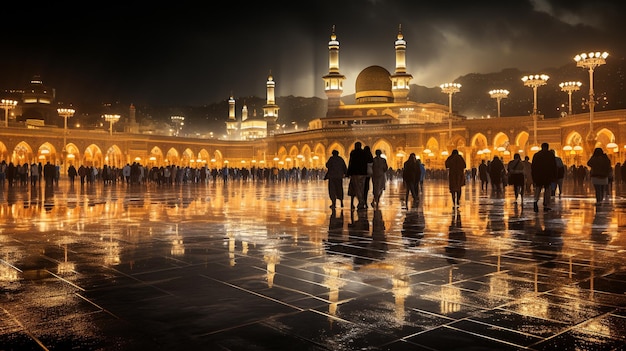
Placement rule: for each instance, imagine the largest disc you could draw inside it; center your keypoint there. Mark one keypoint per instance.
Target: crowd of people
(541, 178)
(368, 174)
(136, 173)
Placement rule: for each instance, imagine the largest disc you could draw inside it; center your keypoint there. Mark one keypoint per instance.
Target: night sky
(181, 55)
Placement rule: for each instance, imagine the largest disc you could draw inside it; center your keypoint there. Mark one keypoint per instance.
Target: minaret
(132, 126)
(270, 109)
(333, 81)
(231, 124)
(400, 79)
(244, 112)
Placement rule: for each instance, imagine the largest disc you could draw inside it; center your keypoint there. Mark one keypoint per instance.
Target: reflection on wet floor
(255, 266)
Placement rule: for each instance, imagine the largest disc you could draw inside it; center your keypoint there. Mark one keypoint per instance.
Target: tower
(270, 109)
(400, 79)
(231, 124)
(132, 126)
(333, 81)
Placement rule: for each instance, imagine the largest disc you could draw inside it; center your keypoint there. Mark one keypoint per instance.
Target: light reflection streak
(333, 281)
(65, 267)
(178, 246)
(271, 258)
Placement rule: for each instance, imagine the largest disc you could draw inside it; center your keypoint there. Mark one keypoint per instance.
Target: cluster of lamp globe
(589, 61)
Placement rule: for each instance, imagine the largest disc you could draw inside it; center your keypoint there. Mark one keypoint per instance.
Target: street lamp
(450, 89)
(111, 119)
(65, 113)
(569, 88)
(590, 61)
(535, 81)
(499, 94)
(7, 105)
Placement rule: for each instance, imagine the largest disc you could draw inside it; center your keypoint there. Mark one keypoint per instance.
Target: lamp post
(499, 94)
(65, 113)
(450, 89)
(569, 88)
(535, 81)
(111, 119)
(591, 61)
(7, 105)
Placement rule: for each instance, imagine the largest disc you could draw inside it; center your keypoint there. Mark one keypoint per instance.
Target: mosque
(382, 117)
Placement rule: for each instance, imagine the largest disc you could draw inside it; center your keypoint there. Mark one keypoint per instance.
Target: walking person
(379, 177)
(336, 171)
(483, 175)
(496, 169)
(544, 172)
(368, 177)
(72, 173)
(560, 174)
(600, 169)
(34, 174)
(515, 170)
(455, 163)
(357, 171)
(411, 176)
(528, 176)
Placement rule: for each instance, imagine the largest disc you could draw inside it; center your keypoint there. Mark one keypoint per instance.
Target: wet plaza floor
(256, 266)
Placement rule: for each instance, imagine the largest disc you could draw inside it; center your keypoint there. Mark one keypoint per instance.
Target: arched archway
(113, 157)
(22, 153)
(47, 153)
(93, 156)
(172, 158)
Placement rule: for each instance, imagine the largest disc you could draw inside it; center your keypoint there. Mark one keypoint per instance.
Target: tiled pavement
(255, 266)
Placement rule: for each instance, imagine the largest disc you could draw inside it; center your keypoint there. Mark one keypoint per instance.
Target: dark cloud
(179, 54)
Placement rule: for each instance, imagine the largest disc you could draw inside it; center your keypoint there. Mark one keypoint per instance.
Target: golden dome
(373, 85)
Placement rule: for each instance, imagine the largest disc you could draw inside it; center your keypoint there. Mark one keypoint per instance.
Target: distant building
(381, 97)
(37, 105)
(255, 127)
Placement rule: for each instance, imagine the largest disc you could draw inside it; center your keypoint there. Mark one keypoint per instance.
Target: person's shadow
(548, 240)
(378, 245)
(413, 227)
(600, 226)
(335, 242)
(455, 248)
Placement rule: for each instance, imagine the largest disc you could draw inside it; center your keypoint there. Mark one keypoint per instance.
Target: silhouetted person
(71, 173)
(336, 171)
(560, 174)
(544, 173)
(357, 171)
(600, 170)
(379, 177)
(515, 177)
(49, 173)
(455, 163)
(496, 170)
(411, 176)
(368, 175)
(483, 174)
